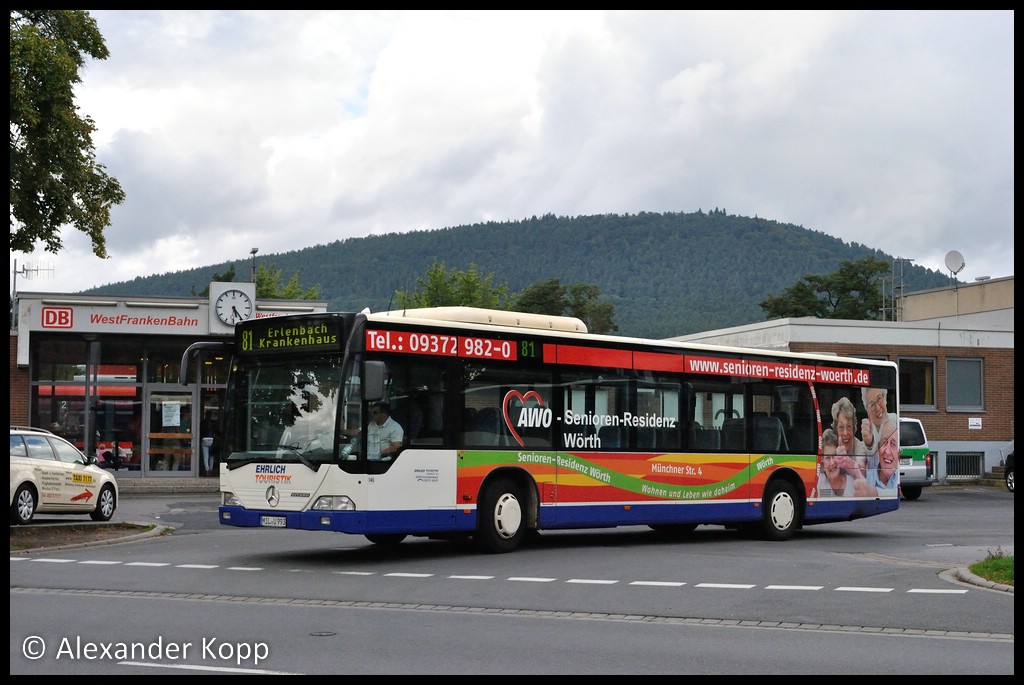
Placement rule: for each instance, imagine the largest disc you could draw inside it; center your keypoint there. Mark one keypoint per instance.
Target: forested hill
(667, 274)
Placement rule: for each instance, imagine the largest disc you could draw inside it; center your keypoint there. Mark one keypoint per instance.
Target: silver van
(917, 462)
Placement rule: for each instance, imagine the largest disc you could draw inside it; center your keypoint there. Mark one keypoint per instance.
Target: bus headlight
(335, 503)
(228, 499)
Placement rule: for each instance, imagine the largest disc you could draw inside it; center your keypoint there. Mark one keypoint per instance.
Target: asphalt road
(873, 596)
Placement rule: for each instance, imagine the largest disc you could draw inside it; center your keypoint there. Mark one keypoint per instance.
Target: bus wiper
(299, 454)
(239, 463)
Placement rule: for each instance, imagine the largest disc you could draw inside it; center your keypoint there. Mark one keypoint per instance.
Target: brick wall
(19, 386)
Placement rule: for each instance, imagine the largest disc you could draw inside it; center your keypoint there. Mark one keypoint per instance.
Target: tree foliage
(55, 178)
(853, 291)
(581, 300)
(268, 284)
(542, 297)
(448, 287)
(451, 287)
(227, 277)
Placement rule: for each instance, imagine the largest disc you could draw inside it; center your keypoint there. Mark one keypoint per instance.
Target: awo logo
(57, 317)
(532, 412)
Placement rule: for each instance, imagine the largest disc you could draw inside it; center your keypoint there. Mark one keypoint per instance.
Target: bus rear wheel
(674, 530)
(780, 515)
(500, 526)
(388, 540)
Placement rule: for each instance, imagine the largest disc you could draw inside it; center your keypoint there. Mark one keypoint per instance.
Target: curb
(964, 575)
(129, 487)
(156, 531)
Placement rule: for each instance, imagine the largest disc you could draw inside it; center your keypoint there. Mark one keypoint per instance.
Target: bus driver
(384, 435)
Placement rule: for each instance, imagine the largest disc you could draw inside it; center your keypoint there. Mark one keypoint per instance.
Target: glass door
(172, 441)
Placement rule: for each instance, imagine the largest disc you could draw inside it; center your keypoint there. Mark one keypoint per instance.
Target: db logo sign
(58, 317)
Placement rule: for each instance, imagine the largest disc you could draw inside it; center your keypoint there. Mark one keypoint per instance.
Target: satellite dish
(955, 261)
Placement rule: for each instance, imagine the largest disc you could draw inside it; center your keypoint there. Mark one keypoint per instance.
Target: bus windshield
(289, 411)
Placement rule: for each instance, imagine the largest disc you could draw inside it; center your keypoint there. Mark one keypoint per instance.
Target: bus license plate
(273, 521)
(906, 462)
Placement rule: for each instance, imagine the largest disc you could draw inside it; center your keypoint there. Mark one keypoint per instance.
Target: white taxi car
(49, 475)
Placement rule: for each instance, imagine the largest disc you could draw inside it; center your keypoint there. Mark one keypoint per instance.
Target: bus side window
(483, 428)
(611, 438)
(707, 439)
(425, 420)
(668, 439)
(783, 418)
(734, 434)
(802, 435)
(768, 435)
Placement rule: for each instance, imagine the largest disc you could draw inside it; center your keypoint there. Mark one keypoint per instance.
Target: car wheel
(23, 508)
(1009, 480)
(910, 492)
(105, 505)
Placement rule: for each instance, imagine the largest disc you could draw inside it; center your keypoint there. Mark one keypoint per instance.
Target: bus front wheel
(501, 526)
(780, 516)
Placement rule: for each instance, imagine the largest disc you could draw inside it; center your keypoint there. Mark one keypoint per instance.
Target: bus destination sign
(284, 334)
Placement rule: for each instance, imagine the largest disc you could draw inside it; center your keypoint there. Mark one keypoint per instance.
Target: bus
(515, 423)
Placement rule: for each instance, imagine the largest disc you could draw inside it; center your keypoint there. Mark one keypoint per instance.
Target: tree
(268, 286)
(444, 287)
(55, 178)
(800, 299)
(851, 292)
(226, 277)
(580, 300)
(542, 297)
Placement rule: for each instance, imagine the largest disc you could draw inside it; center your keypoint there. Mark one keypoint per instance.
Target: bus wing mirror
(373, 381)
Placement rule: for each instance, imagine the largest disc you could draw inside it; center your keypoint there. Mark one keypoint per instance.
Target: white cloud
(281, 130)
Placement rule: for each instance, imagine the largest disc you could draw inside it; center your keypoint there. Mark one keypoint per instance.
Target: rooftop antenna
(955, 263)
(26, 271)
(897, 287)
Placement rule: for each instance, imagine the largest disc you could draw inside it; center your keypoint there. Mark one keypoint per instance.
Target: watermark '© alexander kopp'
(208, 649)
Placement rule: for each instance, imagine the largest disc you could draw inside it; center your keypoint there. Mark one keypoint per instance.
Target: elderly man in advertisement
(876, 403)
(885, 480)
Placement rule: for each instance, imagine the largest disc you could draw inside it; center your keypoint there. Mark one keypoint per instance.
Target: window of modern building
(964, 384)
(163, 360)
(58, 359)
(917, 383)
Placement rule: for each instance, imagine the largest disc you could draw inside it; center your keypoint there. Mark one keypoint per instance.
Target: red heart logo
(523, 399)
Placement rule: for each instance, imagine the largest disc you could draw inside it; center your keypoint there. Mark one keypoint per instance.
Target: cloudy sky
(230, 130)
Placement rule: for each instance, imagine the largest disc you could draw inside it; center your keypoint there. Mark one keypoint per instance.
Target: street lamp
(253, 252)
